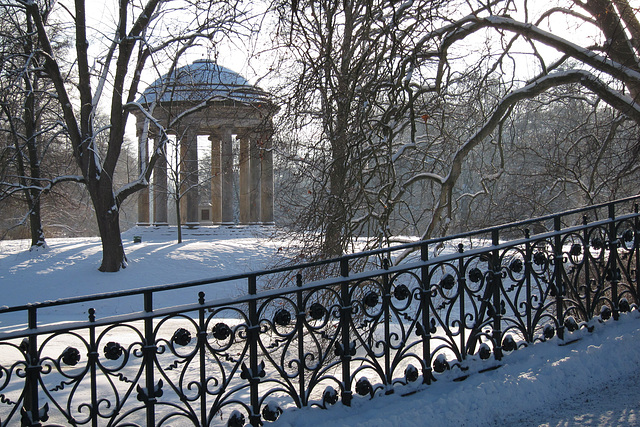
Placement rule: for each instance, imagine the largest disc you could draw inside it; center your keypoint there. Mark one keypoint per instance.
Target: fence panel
(355, 327)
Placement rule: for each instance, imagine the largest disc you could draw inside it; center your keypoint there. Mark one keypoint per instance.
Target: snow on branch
(422, 177)
(617, 100)
(10, 188)
(593, 59)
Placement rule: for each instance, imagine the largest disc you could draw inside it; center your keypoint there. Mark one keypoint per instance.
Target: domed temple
(206, 99)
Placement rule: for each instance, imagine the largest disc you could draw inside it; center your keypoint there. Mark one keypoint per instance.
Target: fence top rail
(384, 252)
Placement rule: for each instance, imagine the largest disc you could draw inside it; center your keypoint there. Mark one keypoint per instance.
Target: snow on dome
(203, 80)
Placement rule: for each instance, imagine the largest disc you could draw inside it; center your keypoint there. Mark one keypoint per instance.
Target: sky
(591, 381)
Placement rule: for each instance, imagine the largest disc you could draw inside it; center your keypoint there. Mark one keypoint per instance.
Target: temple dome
(203, 80)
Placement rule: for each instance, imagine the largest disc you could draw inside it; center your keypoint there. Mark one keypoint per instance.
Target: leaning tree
(531, 50)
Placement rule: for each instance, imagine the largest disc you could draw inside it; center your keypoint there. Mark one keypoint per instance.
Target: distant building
(199, 99)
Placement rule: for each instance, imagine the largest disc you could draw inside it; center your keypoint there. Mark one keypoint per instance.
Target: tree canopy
(430, 96)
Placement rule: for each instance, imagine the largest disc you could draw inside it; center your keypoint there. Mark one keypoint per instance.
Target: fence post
(587, 270)
(304, 398)
(462, 288)
(148, 395)
(613, 258)
(345, 325)
(31, 413)
(425, 302)
(528, 269)
(558, 262)
(496, 283)
(386, 302)
(636, 243)
(93, 360)
(255, 371)
(201, 343)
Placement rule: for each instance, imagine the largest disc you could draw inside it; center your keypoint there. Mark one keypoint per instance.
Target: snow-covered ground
(588, 382)
(69, 267)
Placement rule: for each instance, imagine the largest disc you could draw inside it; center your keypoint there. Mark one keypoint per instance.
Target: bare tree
(154, 32)
(30, 121)
(181, 177)
(406, 128)
(608, 68)
(344, 90)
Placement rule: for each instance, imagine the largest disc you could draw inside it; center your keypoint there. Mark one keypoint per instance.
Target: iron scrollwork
(329, 339)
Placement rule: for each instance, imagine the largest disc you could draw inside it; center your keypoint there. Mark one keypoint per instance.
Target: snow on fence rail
(315, 334)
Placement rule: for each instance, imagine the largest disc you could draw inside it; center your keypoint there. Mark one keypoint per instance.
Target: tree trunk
(178, 216)
(31, 126)
(35, 225)
(108, 218)
(619, 46)
(336, 215)
(113, 257)
(337, 228)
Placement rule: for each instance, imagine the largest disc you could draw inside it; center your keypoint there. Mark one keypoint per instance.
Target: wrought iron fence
(370, 327)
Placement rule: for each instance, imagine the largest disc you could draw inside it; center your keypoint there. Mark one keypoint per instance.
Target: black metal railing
(368, 326)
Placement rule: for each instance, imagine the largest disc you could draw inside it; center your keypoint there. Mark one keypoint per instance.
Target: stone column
(160, 191)
(143, 160)
(216, 179)
(245, 188)
(266, 181)
(189, 177)
(183, 175)
(255, 174)
(227, 176)
(191, 163)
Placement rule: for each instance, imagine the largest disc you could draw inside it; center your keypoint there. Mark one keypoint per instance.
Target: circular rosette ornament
(236, 419)
(271, 411)
(411, 373)
(112, 351)
(447, 282)
(441, 364)
(597, 243)
(576, 253)
(181, 337)
(282, 317)
(363, 387)
(605, 312)
(540, 259)
(221, 331)
(516, 266)
(401, 292)
(371, 299)
(509, 344)
(70, 356)
(330, 395)
(548, 331)
(317, 311)
(475, 275)
(624, 305)
(484, 351)
(628, 238)
(571, 324)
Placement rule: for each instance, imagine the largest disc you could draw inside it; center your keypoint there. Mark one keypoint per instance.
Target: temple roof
(201, 81)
